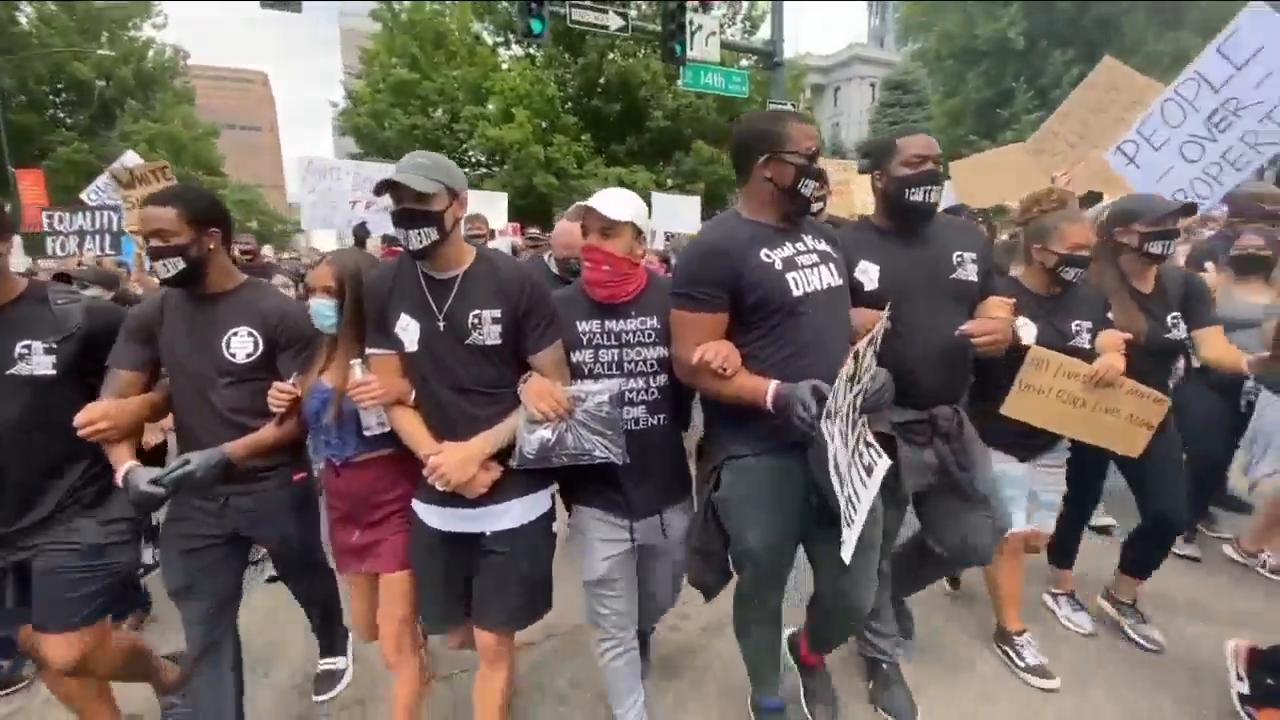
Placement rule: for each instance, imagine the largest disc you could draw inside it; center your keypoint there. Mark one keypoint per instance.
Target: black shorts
(499, 581)
(74, 573)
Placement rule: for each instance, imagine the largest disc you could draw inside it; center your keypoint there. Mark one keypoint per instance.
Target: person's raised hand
(282, 396)
(721, 356)
(801, 404)
(544, 399)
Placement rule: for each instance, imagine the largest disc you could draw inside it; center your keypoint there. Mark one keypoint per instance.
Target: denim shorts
(1031, 491)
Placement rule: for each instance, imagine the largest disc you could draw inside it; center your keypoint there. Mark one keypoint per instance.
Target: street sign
(715, 80)
(781, 105)
(703, 38)
(599, 18)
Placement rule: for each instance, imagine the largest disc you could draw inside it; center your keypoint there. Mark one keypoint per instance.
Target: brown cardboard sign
(1050, 393)
(136, 183)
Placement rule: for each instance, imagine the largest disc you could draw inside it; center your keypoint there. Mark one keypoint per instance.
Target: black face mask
(1069, 269)
(419, 230)
(805, 190)
(477, 239)
(568, 268)
(178, 266)
(1157, 246)
(911, 201)
(1252, 264)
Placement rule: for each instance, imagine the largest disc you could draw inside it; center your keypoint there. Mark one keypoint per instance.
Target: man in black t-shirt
(628, 522)
(938, 273)
(69, 540)
(769, 279)
(561, 263)
(462, 325)
(223, 338)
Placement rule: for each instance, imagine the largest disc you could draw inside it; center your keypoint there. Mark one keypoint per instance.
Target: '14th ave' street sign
(715, 79)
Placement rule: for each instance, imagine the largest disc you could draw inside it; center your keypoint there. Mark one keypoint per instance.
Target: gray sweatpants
(632, 573)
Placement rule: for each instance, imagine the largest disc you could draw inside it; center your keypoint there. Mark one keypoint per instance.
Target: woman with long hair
(1059, 312)
(1168, 311)
(368, 480)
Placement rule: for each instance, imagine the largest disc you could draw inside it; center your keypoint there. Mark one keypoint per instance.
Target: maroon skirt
(368, 504)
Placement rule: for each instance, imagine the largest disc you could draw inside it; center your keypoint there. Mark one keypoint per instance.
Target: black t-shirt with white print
(630, 342)
(1169, 328)
(48, 372)
(465, 374)
(1069, 323)
(934, 278)
(222, 352)
(786, 293)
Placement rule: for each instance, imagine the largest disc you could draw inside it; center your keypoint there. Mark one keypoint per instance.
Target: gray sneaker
(1133, 622)
(1070, 611)
(1020, 652)
(1263, 562)
(1101, 522)
(1186, 548)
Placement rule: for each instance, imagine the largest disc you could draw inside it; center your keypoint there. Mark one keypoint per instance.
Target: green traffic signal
(537, 26)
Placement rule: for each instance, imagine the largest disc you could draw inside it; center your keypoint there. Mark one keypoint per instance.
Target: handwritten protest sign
(136, 183)
(72, 232)
(104, 190)
(1049, 392)
(1217, 123)
(855, 462)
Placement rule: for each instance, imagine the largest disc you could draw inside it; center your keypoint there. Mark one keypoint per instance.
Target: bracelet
(124, 470)
(768, 395)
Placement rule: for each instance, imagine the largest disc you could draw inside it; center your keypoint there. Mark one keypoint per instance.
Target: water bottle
(373, 420)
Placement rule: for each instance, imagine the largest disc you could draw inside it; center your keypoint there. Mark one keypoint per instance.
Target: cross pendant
(440, 324)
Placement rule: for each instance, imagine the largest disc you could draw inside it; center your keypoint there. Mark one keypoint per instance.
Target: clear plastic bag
(593, 434)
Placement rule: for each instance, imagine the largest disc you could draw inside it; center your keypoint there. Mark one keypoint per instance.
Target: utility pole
(778, 81)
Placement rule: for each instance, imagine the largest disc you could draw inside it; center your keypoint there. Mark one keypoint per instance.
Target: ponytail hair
(1105, 273)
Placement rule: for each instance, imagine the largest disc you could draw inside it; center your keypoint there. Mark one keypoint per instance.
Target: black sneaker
(817, 691)
(1133, 622)
(1020, 652)
(951, 584)
(333, 675)
(889, 693)
(16, 674)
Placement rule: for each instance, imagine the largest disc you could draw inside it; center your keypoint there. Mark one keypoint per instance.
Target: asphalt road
(698, 674)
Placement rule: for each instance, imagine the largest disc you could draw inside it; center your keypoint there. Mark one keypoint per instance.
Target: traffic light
(534, 20)
(675, 20)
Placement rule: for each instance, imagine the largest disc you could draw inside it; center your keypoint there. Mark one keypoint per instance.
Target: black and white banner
(855, 462)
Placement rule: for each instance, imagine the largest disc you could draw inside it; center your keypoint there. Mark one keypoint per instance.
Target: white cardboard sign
(672, 215)
(1217, 123)
(104, 190)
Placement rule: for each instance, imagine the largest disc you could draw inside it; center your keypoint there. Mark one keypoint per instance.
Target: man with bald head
(560, 264)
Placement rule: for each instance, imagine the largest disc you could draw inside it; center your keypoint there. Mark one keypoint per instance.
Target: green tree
(996, 70)
(73, 113)
(903, 101)
(546, 123)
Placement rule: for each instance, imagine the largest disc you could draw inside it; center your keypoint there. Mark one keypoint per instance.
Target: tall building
(843, 87)
(882, 25)
(354, 31)
(241, 104)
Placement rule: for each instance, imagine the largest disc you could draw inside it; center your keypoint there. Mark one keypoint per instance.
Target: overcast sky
(300, 55)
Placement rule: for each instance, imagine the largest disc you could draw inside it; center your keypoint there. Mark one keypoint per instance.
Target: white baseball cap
(617, 204)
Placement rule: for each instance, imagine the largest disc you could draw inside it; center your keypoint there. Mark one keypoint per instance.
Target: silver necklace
(440, 313)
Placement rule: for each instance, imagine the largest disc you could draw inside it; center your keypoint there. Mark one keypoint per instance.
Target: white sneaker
(1186, 548)
(1102, 522)
(1070, 611)
(1262, 562)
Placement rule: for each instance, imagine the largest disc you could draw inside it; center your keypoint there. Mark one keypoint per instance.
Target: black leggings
(1211, 423)
(1158, 482)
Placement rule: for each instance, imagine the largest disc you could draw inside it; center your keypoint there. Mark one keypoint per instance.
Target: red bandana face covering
(609, 278)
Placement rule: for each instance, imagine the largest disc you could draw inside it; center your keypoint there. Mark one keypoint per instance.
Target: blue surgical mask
(324, 314)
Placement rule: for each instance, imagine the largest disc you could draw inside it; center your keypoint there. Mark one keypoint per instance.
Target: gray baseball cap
(426, 172)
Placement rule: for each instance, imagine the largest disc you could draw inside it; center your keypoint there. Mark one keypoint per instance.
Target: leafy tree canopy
(546, 123)
(73, 113)
(997, 69)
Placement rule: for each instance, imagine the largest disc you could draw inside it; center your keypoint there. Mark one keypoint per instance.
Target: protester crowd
(237, 397)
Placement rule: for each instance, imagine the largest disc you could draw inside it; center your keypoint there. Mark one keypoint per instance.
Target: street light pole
(6, 159)
(778, 81)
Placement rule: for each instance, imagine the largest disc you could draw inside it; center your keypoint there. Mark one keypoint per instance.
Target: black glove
(801, 403)
(146, 488)
(197, 471)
